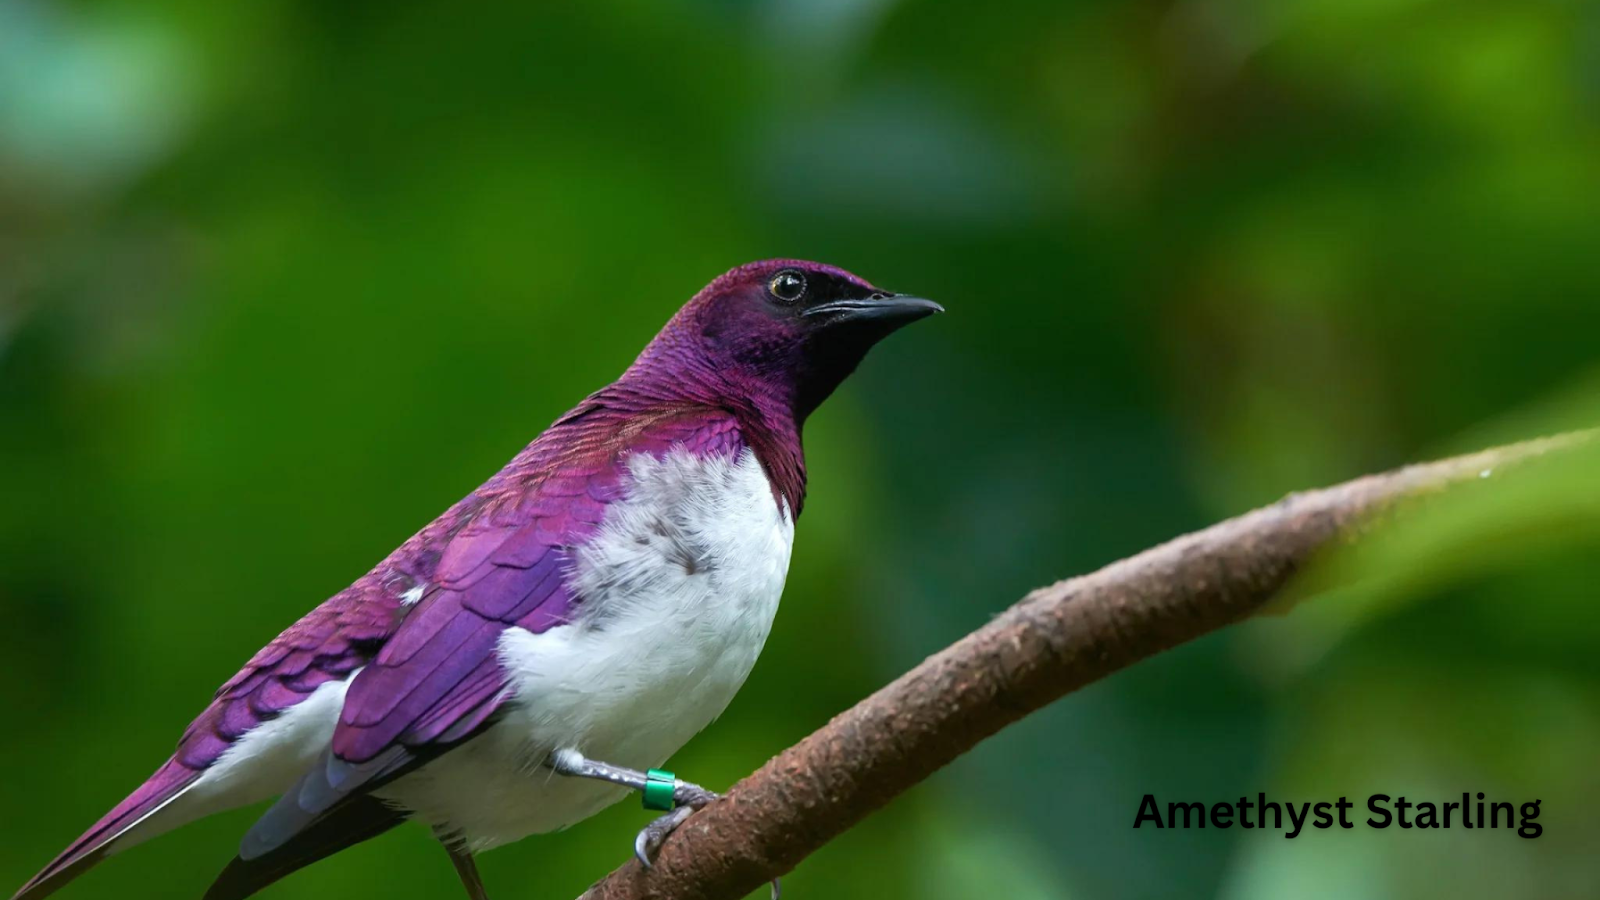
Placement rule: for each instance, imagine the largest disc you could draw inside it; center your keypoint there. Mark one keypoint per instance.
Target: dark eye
(787, 286)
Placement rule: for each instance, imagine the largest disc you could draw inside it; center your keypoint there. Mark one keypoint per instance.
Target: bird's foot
(652, 836)
(690, 798)
(687, 798)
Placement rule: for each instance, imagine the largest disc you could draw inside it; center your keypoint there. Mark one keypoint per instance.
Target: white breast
(679, 587)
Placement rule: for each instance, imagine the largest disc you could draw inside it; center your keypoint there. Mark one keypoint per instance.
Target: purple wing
(328, 644)
(438, 679)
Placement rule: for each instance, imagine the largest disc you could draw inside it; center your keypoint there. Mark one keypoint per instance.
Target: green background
(280, 281)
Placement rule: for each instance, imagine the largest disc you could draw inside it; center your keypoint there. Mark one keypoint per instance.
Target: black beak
(889, 309)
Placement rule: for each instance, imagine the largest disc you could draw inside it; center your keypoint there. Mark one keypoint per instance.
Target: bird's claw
(652, 836)
(690, 798)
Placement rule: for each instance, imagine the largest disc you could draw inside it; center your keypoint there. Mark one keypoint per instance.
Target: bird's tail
(113, 831)
(351, 822)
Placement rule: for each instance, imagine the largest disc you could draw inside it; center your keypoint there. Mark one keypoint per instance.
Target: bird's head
(784, 327)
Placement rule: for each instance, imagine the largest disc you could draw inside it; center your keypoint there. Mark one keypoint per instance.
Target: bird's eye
(787, 286)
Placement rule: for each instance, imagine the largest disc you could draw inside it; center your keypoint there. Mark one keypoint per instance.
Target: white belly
(680, 587)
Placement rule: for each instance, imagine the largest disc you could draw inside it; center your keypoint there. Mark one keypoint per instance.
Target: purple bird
(516, 665)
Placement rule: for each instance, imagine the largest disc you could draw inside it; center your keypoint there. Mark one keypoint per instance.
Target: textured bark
(1054, 641)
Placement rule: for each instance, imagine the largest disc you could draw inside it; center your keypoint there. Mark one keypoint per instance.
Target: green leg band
(659, 787)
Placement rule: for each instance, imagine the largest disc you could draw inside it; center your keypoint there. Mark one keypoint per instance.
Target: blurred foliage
(280, 281)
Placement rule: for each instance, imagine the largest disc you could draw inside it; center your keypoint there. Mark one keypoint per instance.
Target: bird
(540, 649)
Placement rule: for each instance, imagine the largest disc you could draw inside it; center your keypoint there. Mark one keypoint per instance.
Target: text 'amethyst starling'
(514, 666)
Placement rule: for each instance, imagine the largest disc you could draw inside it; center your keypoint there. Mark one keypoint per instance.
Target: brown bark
(1055, 640)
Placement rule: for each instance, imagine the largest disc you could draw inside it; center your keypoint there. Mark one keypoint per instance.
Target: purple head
(779, 332)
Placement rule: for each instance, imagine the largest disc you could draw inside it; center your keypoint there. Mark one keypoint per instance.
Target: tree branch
(1055, 640)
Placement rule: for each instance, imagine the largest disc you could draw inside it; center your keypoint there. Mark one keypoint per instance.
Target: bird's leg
(687, 797)
(467, 869)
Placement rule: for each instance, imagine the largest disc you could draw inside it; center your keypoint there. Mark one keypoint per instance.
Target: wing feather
(438, 680)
